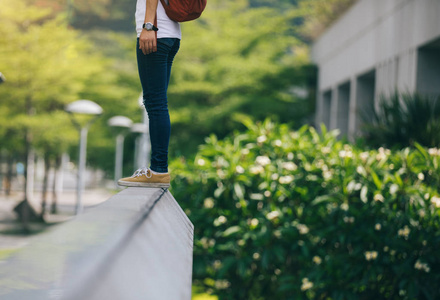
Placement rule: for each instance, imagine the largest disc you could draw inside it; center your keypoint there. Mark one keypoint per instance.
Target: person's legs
(154, 72)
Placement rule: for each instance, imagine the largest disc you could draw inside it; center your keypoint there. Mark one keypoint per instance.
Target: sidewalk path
(11, 236)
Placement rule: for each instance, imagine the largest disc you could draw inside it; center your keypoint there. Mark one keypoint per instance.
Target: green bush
(404, 119)
(301, 215)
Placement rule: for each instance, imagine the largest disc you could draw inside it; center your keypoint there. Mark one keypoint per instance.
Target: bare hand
(148, 42)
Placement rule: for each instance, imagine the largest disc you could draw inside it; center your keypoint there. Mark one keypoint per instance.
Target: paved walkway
(11, 236)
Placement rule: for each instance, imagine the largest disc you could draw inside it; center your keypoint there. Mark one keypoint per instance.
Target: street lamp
(121, 123)
(83, 113)
(2, 77)
(142, 129)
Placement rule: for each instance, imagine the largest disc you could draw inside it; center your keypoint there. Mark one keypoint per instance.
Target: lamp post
(121, 123)
(142, 129)
(77, 110)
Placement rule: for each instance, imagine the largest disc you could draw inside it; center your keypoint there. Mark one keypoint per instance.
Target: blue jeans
(154, 73)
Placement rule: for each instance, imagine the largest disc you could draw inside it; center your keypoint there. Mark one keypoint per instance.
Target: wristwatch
(150, 27)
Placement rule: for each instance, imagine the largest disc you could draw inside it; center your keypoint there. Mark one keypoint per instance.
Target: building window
(365, 99)
(428, 69)
(343, 108)
(326, 108)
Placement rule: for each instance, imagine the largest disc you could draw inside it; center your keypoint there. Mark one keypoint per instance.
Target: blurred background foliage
(242, 58)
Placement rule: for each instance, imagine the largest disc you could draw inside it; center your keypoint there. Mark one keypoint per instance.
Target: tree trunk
(45, 183)
(25, 211)
(8, 178)
(56, 178)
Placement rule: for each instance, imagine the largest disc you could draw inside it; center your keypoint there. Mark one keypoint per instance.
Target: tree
(243, 67)
(48, 65)
(320, 14)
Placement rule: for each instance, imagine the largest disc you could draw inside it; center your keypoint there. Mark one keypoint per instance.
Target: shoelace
(143, 171)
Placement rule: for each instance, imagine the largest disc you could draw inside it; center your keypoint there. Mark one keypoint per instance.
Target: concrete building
(376, 48)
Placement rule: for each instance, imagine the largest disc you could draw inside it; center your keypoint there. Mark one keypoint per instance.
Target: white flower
(275, 176)
(345, 153)
(256, 256)
(361, 170)
(327, 174)
(303, 229)
(344, 206)
(379, 197)
(348, 219)
(239, 169)
(222, 284)
(278, 143)
(394, 188)
(256, 170)
(306, 284)
(220, 220)
(364, 156)
(378, 226)
(286, 179)
(370, 255)
(261, 139)
(254, 222)
(381, 155)
(241, 242)
(421, 176)
(317, 260)
(201, 162)
(290, 156)
(245, 151)
(272, 215)
(405, 231)
(221, 174)
(267, 193)
(422, 266)
(326, 150)
(262, 160)
(208, 203)
(217, 264)
(436, 201)
(434, 151)
(204, 242)
(290, 166)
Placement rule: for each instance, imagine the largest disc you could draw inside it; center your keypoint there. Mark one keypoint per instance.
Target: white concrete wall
(382, 36)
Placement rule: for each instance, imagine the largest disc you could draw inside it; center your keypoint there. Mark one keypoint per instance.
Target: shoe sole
(144, 184)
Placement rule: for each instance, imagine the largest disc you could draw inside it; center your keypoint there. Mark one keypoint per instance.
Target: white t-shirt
(167, 27)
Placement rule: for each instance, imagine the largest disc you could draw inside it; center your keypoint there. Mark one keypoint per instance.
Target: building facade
(376, 48)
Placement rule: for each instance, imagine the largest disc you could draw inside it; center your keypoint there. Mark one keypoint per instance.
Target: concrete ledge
(136, 245)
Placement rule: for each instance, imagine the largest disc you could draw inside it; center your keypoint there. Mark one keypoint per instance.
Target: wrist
(148, 26)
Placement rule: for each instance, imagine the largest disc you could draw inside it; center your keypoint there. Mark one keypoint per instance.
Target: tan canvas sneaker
(145, 178)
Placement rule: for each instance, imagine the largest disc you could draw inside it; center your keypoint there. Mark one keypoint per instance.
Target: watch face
(148, 26)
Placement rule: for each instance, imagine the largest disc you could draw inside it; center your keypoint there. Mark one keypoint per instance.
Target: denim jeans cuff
(159, 170)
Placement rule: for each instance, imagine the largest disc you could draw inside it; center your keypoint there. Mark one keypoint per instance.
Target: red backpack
(184, 10)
